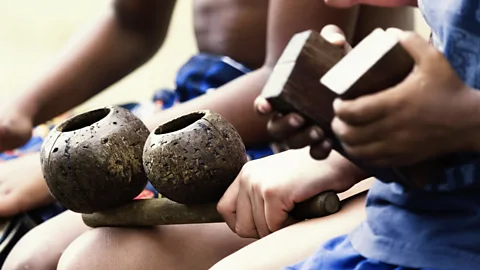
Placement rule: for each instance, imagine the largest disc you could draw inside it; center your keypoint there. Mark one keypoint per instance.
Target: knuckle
(337, 126)
(245, 233)
(246, 171)
(345, 133)
(224, 208)
(269, 192)
(276, 130)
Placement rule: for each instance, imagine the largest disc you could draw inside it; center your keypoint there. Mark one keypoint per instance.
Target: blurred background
(32, 33)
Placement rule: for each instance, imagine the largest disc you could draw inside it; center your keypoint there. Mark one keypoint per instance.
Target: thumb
(335, 35)
(262, 106)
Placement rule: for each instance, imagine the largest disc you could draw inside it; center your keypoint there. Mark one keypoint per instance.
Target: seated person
(221, 60)
(28, 252)
(433, 113)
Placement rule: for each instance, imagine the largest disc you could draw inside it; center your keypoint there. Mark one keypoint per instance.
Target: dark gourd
(93, 161)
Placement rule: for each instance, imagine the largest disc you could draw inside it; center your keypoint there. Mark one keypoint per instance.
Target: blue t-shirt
(439, 226)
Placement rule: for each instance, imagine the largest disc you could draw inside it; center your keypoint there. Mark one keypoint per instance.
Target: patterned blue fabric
(438, 226)
(202, 73)
(339, 254)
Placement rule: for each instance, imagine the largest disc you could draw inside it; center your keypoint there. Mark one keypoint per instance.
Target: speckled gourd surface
(194, 158)
(93, 161)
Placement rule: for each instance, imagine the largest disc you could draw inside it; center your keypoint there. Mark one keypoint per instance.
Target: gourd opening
(83, 120)
(179, 123)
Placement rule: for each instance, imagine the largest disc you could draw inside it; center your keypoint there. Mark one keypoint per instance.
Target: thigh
(295, 243)
(42, 246)
(194, 246)
(200, 246)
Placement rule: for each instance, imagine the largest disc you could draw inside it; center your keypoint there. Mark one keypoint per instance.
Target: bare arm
(123, 40)
(234, 101)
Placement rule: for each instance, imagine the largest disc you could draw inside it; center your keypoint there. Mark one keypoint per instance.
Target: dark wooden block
(294, 83)
(376, 63)
(311, 73)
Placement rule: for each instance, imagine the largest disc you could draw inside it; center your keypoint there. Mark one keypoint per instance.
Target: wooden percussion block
(294, 83)
(311, 73)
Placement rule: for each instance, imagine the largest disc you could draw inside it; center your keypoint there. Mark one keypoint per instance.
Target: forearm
(333, 173)
(106, 54)
(234, 101)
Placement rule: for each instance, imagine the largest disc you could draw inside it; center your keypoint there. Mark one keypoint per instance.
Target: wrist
(347, 173)
(27, 107)
(22, 105)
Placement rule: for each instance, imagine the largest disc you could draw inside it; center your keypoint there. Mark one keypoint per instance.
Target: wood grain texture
(153, 212)
(294, 83)
(377, 63)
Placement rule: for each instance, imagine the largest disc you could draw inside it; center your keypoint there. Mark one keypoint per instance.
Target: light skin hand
(431, 113)
(266, 190)
(291, 128)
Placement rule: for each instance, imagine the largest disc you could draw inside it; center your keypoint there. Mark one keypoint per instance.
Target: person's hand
(379, 3)
(431, 113)
(266, 190)
(291, 129)
(15, 129)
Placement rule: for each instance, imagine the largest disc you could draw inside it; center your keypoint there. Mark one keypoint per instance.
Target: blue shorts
(339, 254)
(199, 75)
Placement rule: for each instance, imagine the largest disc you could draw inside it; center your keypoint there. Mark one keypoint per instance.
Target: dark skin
(167, 247)
(122, 41)
(133, 47)
(128, 37)
(403, 125)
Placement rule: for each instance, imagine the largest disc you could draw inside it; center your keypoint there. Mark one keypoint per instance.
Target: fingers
(306, 137)
(368, 153)
(336, 36)
(333, 34)
(378, 154)
(357, 135)
(228, 203)
(281, 127)
(262, 106)
(251, 211)
(365, 109)
(258, 206)
(275, 216)
(245, 223)
(321, 150)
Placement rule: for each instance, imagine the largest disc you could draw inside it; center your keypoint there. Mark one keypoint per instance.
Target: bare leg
(167, 247)
(42, 247)
(22, 186)
(201, 246)
(295, 243)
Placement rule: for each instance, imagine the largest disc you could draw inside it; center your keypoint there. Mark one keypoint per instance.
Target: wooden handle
(321, 205)
(153, 212)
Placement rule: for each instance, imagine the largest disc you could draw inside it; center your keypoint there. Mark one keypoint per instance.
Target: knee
(32, 253)
(90, 251)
